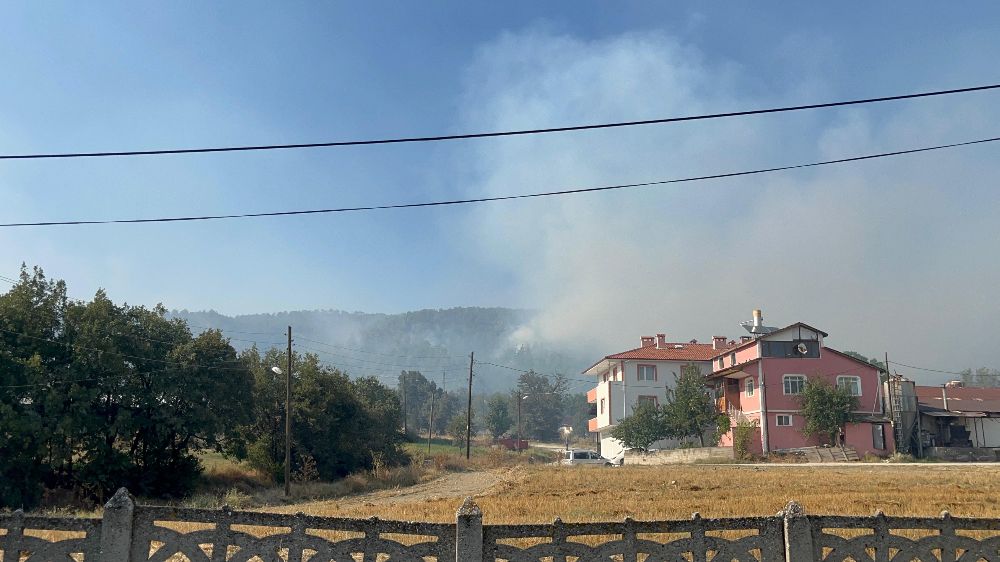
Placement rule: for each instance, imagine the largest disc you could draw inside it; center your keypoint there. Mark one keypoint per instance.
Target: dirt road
(456, 485)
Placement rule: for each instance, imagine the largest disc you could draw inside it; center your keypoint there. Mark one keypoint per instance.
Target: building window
(722, 362)
(790, 348)
(651, 400)
(602, 405)
(647, 372)
(749, 386)
(878, 436)
(783, 420)
(851, 384)
(794, 384)
(732, 359)
(605, 377)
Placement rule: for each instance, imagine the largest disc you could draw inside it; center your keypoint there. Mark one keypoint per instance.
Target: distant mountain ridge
(435, 342)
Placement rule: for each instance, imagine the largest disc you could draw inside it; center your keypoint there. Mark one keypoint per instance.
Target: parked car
(583, 457)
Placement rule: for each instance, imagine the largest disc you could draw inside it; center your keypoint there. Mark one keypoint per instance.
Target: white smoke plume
(897, 255)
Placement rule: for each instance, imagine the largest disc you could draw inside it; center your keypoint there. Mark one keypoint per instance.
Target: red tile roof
(670, 352)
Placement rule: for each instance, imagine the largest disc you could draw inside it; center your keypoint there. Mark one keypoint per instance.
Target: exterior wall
(633, 388)
(858, 436)
(984, 432)
(964, 454)
(680, 456)
(828, 366)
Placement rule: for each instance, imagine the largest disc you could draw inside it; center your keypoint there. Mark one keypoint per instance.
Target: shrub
(743, 434)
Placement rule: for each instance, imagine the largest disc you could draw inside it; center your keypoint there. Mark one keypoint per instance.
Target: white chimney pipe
(758, 317)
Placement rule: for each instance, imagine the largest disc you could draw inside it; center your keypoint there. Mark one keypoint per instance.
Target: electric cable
(509, 133)
(507, 197)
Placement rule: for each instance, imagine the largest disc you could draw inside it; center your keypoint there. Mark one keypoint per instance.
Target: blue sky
(897, 255)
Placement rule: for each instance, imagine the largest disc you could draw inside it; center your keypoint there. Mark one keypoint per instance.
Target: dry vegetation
(542, 493)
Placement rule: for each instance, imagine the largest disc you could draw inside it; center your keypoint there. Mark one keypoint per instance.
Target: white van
(573, 457)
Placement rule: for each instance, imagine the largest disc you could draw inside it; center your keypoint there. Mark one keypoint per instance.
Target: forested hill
(435, 342)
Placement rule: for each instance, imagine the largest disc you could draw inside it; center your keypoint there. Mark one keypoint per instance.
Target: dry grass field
(536, 494)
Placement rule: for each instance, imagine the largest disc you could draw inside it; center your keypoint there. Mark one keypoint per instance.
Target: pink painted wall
(828, 366)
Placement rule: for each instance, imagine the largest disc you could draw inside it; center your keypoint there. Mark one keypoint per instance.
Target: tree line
(96, 395)
(546, 405)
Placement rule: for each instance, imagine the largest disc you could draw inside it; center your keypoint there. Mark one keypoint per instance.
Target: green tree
(340, 424)
(826, 409)
(576, 413)
(982, 377)
(690, 410)
(645, 426)
(108, 395)
(870, 361)
(498, 419)
(457, 429)
(541, 411)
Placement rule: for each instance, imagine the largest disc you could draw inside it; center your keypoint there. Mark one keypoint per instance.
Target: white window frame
(639, 371)
(851, 378)
(777, 420)
(785, 380)
(749, 386)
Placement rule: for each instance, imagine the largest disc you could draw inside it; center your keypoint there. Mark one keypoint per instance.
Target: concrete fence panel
(135, 533)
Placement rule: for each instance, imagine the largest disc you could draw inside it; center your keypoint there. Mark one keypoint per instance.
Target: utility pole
(519, 398)
(288, 418)
(402, 383)
(430, 425)
(468, 411)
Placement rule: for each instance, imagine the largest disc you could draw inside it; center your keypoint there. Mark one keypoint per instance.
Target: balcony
(592, 425)
(592, 395)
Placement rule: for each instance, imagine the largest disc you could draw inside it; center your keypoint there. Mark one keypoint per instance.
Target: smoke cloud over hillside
(894, 255)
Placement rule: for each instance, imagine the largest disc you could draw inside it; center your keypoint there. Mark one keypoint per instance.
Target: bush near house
(826, 409)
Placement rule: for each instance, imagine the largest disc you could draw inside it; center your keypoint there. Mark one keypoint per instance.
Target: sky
(897, 255)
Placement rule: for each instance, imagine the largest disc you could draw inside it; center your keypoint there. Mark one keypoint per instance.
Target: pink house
(762, 377)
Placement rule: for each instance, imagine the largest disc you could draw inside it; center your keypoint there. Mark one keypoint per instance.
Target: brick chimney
(745, 339)
(718, 342)
(647, 341)
(661, 341)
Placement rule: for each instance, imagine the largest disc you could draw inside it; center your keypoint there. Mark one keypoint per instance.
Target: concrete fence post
(469, 532)
(798, 534)
(116, 527)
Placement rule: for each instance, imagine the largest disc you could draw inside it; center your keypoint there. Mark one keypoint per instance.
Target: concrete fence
(132, 533)
(678, 456)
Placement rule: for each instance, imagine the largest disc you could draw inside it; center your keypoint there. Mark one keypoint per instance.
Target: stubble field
(535, 494)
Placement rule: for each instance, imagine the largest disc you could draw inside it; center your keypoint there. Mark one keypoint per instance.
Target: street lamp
(288, 424)
(519, 398)
(566, 431)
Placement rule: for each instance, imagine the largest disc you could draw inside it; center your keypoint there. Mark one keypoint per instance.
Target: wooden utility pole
(288, 418)
(468, 411)
(402, 383)
(430, 425)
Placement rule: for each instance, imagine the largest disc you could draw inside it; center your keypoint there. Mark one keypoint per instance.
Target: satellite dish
(802, 349)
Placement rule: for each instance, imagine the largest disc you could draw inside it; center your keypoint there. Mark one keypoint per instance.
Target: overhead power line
(512, 197)
(511, 133)
(925, 368)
